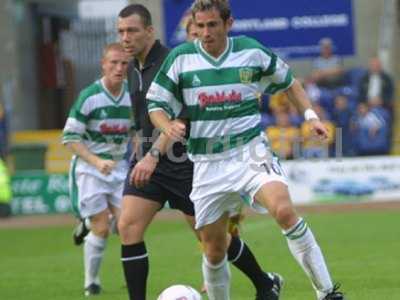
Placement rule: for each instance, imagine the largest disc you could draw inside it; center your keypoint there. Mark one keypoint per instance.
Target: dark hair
(222, 6)
(137, 9)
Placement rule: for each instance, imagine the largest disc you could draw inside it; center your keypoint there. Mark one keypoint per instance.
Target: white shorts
(217, 185)
(91, 194)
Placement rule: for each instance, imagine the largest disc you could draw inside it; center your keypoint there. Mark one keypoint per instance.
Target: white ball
(180, 292)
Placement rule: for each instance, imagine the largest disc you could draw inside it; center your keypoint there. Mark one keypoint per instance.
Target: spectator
(341, 116)
(313, 148)
(327, 68)
(267, 118)
(280, 103)
(376, 105)
(295, 118)
(376, 83)
(370, 132)
(5, 191)
(283, 136)
(3, 132)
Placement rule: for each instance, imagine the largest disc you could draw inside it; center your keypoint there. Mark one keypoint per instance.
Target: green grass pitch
(362, 249)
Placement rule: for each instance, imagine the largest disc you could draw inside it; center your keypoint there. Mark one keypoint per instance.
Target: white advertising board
(100, 8)
(344, 180)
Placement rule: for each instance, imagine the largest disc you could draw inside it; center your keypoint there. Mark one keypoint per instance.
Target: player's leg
(139, 206)
(241, 256)
(267, 184)
(267, 285)
(178, 195)
(302, 244)
(93, 249)
(82, 228)
(234, 223)
(212, 195)
(215, 267)
(113, 218)
(92, 195)
(136, 214)
(115, 203)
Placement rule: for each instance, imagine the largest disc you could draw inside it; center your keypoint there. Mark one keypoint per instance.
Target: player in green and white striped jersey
(220, 94)
(218, 79)
(97, 132)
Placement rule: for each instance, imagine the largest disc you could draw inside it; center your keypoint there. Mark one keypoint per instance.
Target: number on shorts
(275, 166)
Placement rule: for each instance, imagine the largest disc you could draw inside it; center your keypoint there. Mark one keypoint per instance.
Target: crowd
(355, 104)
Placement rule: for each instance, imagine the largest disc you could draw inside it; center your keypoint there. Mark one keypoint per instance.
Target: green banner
(39, 193)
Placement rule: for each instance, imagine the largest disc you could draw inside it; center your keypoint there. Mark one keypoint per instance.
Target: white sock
(308, 254)
(217, 279)
(87, 223)
(93, 250)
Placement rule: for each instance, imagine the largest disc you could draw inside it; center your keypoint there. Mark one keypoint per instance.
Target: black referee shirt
(139, 81)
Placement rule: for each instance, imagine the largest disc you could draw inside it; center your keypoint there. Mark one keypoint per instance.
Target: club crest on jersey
(245, 75)
(196, 81)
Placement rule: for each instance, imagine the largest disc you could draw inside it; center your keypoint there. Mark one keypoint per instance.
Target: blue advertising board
(292, 28)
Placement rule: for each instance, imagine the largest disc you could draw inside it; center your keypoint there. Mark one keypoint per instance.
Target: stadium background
(37, 164)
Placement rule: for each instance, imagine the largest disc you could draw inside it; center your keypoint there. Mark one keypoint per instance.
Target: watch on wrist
(154, 152)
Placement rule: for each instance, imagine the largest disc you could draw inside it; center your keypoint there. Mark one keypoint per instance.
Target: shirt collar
(152, 56)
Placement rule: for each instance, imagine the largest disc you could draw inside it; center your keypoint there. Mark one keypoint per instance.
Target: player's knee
(130, 231)
(123, 226)
(100, 229)
(285, 215)
(215, 255)
(215, 251)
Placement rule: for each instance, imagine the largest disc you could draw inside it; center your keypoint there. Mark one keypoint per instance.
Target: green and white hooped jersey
(101, 121)
(221, 95)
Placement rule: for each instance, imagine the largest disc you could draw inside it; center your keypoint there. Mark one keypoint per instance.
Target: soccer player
(217, 79)
(236, 217)
(97, 132)
(156, 175)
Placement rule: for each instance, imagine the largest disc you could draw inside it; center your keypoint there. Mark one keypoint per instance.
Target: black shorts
(164, 188)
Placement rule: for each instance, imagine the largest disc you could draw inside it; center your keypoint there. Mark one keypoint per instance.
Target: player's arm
(278, 77)
(104, 166)
(145, 167)
(143, 170)
(174, 129)
(74, 131)
(164, 105)
(298, 96)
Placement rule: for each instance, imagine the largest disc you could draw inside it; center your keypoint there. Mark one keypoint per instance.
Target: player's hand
(105, 166)
(143, 170)
(175, 130)
(319, 129)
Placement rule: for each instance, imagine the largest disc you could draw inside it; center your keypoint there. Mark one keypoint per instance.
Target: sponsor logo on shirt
(113, 129)
(219, 98)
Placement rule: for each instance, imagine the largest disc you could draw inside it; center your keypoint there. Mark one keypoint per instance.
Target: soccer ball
(179, 292)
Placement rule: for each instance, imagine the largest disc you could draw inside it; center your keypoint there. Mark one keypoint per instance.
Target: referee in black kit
(153, 177)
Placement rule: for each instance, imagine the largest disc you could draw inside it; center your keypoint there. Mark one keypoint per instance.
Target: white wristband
(309, 114)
